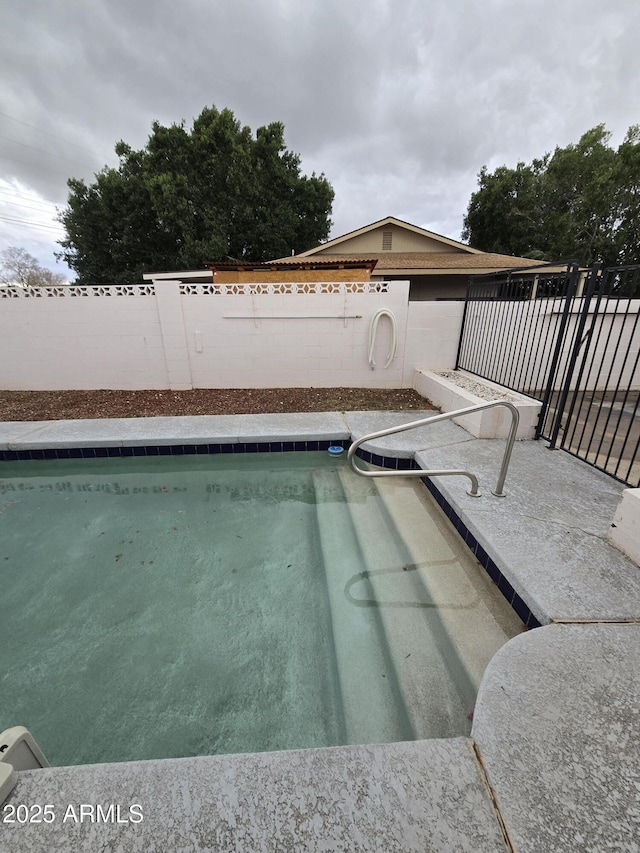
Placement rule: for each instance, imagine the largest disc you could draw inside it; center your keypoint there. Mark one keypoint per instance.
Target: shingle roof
(451, 260)
(322, 261)
(423, 260)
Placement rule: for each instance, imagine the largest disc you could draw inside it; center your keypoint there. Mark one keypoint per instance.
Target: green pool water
(171, 606)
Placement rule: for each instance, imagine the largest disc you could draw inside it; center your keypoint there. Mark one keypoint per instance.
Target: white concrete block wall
(162, 336)
(170, 336)
(174, 343)
(289, 340)
(433, 332)
(615, 348)
(84, 342)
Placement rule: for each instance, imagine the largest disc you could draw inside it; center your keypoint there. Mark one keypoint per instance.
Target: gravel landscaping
(64, 405)
(479, 389)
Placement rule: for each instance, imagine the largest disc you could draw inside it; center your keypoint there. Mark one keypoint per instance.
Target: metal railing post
(573, 357)
(474, 490)
(572, 286)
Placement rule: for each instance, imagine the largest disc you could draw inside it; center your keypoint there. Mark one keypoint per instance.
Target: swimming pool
(188, 605)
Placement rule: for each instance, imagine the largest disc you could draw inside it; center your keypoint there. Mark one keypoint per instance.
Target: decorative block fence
(180, 336)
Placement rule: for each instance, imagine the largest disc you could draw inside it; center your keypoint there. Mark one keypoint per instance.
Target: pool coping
(514, 800)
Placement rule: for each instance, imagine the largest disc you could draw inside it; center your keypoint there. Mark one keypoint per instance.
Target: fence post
(464, 318)
(572, 285)
(571, 366)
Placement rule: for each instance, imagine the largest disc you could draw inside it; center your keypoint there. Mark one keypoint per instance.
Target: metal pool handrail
(473, 491)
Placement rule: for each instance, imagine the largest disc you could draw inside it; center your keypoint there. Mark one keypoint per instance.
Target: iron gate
(570, 338)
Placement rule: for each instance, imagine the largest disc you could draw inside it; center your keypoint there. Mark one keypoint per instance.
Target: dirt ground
(62, 405)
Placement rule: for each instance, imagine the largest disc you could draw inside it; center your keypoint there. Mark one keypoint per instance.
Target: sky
(398, 102)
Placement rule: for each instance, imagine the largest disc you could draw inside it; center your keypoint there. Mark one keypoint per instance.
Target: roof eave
(403, 272)
(178, 274)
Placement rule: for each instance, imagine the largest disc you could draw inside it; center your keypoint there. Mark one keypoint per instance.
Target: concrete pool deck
(553, 762)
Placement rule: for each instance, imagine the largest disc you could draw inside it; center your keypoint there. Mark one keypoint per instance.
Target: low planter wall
(625, 530)
(448, 395)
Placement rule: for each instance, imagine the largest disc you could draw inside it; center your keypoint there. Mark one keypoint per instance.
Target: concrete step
(471, 611)
(372, 703)
(407, 563)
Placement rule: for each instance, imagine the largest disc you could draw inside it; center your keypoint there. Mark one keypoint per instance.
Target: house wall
(179, 336)
(402, 240)
(430, 287)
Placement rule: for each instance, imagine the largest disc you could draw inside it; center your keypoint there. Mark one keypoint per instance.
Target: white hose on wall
(373, 329)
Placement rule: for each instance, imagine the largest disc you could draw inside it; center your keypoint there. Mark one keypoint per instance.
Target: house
(436, 266)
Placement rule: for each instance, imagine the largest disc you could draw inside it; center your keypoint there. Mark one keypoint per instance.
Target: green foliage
(214, 193)
(582, 202)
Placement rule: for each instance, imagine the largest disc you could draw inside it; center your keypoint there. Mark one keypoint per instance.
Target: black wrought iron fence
(512, 324)
(597, 414)
(570, 338)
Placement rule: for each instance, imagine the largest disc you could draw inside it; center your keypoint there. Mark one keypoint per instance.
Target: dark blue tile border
(492, 570)
(489, 565)
(171, 450)
(515, 601)
(398, 463)
(471, 541)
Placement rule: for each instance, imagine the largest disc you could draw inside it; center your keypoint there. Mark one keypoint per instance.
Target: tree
(628, 197)
(582, 202)
(503, 215)
(213, 193)
(17, 266)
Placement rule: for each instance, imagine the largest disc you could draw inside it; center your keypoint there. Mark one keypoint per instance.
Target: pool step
(371, 700)
(436, 687)
(470, 607)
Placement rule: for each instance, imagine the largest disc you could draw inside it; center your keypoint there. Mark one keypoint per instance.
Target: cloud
(398, 102)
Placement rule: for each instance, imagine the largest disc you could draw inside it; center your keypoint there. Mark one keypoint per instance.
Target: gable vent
(386, 241)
